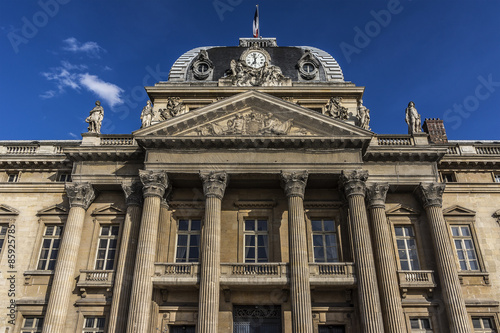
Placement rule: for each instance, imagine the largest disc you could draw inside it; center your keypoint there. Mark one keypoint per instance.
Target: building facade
(254, 198)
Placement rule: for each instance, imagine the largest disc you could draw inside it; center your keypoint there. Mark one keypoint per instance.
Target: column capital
(294, 183)
(155, 182)
(376, 193)
(80, 194)
(214, 183)
(353, 182)
(431, 194)
(133, 193)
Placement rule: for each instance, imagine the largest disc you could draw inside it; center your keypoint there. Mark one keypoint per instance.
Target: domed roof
(289, 59)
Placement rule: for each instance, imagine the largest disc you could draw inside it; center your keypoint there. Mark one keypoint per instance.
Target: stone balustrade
(395, 140)
(96, 278)
(416, 280)
(23, 148)
(338, 273)
(176, 274)
(254, 273)
(471, 148)
(113, 140)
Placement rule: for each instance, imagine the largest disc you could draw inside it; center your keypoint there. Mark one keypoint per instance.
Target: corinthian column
(353, 184)
(80, 197)
(294, 185)
(214, 185)
(385, 261)
(431, 196)
(155, 183)
(126, 259)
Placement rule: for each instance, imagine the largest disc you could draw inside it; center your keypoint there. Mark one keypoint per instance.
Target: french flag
(256, 23)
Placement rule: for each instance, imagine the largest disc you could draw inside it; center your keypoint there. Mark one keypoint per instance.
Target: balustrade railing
(117, 141)
(416, 278)
(390, 140)
(492, 150)
(96, 277)
(22, 150)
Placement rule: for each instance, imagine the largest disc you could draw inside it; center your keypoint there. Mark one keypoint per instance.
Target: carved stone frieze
(80, 194)
(294, 183)
(253, 123)
(214, 183)
(174, 108)
(431, 194)
(155, 182)
(243, 75)
(133, 193)
(335, 109)
(376, 194)
(353, 182)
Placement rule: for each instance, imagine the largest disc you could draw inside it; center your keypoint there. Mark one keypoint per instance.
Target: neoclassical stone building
(254, 198)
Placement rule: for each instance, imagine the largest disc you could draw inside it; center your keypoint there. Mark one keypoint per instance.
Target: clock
(255, 59)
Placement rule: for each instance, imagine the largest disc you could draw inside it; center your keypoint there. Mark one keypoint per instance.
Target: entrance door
(331, 329)
(257, 319)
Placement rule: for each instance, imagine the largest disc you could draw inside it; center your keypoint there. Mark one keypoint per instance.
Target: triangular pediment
(458, 210)
(402, 210)
(108, 210)
(7, 210)
(54, 210)
(252, 114)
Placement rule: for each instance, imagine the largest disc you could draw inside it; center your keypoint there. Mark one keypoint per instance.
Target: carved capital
(353, 182)
(214, 183)
(80, 194)
(294, 183)
(155, 182)
(133, 194)
(375, 194)
(431, 194)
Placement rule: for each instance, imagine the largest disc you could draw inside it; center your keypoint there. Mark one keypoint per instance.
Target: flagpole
(258, 23)
(256, 28)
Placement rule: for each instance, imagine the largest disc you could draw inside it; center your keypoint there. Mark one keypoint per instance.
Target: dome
(299, 63)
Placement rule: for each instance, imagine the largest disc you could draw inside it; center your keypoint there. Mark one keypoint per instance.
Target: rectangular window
(497, 177)
(108, 240)
(407, 248)
(3, 234)
(484, 325)
(94, 325)
(420, 325)
(32, 325)
(64, 177)
(256, 241)
(448, 177)
(182, 329)
(325, 241)
(331, 329)
(188, 240)
(13, 177)
(464, 245)
(50, 247)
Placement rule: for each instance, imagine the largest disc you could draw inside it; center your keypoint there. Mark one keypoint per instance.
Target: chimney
(435, 128)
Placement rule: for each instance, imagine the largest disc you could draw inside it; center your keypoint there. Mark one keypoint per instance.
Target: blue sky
(59, 56)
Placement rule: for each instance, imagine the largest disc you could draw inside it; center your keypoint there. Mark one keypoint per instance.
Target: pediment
(7, 210)
(252, 114)
(108, 210)
(402, 210)
(458, 210)
(54, 210)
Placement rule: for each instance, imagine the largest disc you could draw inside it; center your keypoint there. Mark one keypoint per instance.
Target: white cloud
(73, 135)
(92, 49)
(109, 92)
(72, 76)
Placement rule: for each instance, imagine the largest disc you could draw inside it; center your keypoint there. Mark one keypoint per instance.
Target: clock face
(255, 59)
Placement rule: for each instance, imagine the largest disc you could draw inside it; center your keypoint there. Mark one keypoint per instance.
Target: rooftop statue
(413, 119)
(335, 109)
(147, 115)
(174, 108)
(363, 116)
(95, 118)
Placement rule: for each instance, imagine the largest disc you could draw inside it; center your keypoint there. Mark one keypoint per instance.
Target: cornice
(105, 153)
(45, 187)
(404, 154)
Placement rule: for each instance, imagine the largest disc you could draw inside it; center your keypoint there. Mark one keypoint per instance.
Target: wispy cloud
(107, 91)
(73, 76)
(73, 135)
(92, 49)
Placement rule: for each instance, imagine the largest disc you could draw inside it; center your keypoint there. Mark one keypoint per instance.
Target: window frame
(396, 248)
(107, 237)
(452, 174)
(30, 329)
(93, 329)
(255, 234)
(188, 232)
(421, 329)
(16, 174)
(430, 313)
(66, 175)
(51, 248)
(323, 233)
(408, 218)
(324, 210)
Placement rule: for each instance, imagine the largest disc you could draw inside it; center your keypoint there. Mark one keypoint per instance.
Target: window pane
(398, 231)
(195, 224)
(104, 231)
(487, 323)
(182, 240)
(474, 265)
(262, 253)
(455, 231)
(329, 225)
(250, 253)
(317, 240)
(465, 231)
(425, 323)
(89, 322)
(183, 224)
(414, 323)
(249, 240)
(316, 225)
(476, 322)
(319, 254)
(262, 225)
(193, 253)
(262, 240)
(405, 266)
(249, 225)
(194, 240)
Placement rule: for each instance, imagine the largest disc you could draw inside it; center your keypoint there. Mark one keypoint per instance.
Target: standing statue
(95, 118)
(335, 109)
(413, 119)
(363, 116)
(147, 115)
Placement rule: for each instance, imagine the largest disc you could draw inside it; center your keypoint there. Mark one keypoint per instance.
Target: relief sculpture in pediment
(253, 123)
(174, 108)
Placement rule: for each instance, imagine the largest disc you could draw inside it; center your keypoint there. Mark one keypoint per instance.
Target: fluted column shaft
(294, 185)
(139, 316)
(80, 197)
(431, 196)
(385, 261)
(353, 184)
(163, 233)
(126, 260)
(214, 185)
